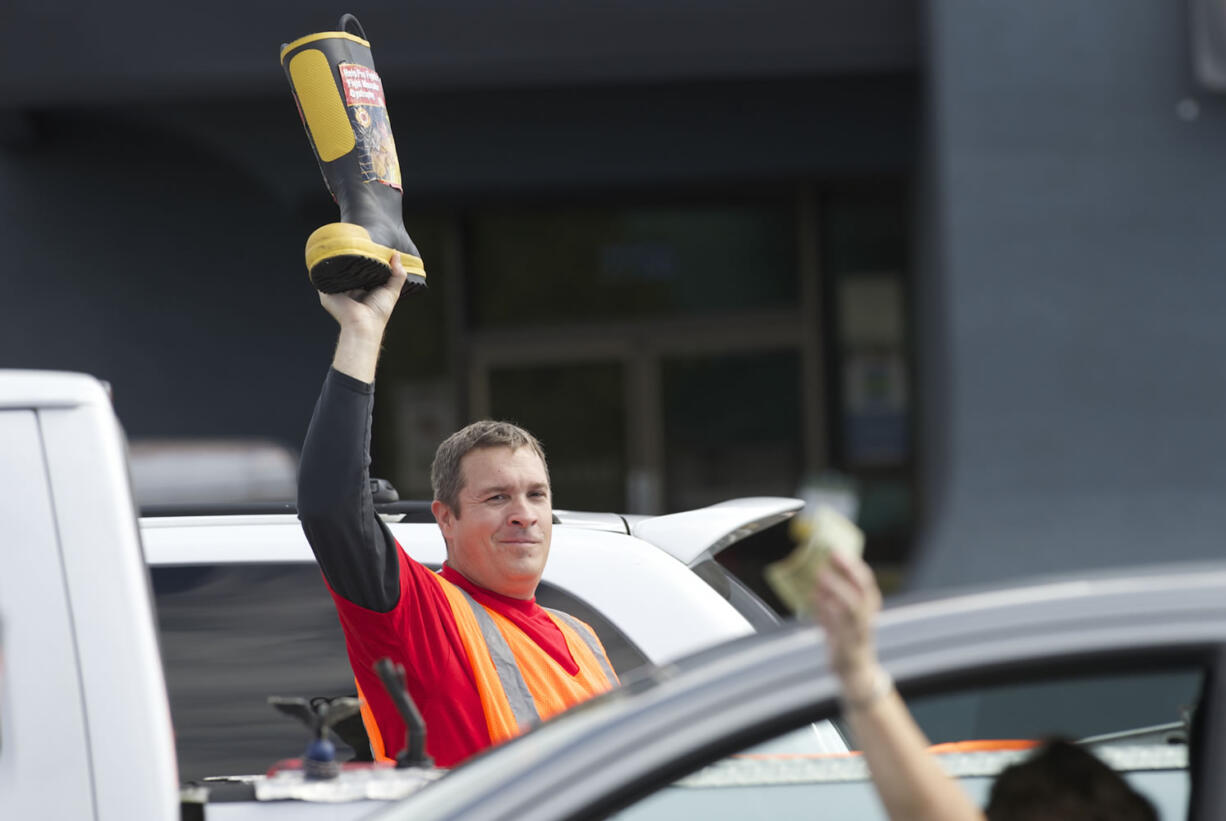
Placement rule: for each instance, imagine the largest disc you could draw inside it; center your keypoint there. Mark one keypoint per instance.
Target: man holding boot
(483, 661)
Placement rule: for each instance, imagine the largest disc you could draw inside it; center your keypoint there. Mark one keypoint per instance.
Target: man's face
(500, 540)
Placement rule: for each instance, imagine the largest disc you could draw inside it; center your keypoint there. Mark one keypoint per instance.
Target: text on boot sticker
(371, 126)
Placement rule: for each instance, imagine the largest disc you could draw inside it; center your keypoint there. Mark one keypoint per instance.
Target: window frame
(1204, 804)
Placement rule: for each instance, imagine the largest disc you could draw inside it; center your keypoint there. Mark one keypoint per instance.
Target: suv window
(234, 634)
(757, 612)
(231, 636)
(624, 655)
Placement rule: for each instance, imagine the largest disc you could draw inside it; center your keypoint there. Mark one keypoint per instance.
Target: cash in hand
(794, 577)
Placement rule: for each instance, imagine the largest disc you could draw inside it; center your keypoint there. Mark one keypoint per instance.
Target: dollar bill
(794, 577)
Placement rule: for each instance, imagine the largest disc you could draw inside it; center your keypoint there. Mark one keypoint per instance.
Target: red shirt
(420, 632)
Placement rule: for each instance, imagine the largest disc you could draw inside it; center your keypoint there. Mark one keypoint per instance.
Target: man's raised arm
(352, 545)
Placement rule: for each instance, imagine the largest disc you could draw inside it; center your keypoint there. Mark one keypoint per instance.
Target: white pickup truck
(85, 722)
(85, 729)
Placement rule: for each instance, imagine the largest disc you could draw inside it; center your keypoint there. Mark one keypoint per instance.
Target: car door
(1115, 657)
(980, 722)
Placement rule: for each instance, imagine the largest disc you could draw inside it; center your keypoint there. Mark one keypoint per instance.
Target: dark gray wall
(156, 186)
(162, 267)
(159, 245)
(140, 51)
(1072, 311)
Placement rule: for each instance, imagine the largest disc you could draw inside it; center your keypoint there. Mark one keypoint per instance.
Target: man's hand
(363, 317)
(368, 310)
(846, 604)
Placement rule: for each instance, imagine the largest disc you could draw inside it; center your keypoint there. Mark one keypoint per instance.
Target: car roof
(1102, 608)
(720, 701)
(659, 603)
(688, 536)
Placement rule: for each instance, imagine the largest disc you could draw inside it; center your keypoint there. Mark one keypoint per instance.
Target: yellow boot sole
(342, 257)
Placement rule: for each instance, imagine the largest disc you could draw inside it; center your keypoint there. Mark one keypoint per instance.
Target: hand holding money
(826, 577)
(846, 604)
(795, 577)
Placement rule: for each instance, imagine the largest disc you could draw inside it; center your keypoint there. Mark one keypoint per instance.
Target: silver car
(1131, 664)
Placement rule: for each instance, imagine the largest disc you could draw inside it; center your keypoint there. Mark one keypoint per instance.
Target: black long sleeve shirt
(354, 548)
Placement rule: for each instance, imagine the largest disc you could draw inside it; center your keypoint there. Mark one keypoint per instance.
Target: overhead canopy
(134, 50)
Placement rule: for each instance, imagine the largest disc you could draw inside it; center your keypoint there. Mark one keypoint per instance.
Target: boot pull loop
(349, 19)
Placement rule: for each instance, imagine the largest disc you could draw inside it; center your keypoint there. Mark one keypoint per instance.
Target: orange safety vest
(519, 683)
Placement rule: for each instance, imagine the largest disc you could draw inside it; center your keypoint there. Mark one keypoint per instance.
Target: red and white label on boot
(362, 85)
(371, 127)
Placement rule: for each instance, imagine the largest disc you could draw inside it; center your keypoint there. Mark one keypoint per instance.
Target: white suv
(244, 614)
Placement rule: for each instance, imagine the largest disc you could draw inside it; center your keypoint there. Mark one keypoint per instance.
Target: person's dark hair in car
(1063, 781)
(1058, 782)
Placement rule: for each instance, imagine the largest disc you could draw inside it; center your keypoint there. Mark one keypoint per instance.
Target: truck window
(232, 635)
(3, 698)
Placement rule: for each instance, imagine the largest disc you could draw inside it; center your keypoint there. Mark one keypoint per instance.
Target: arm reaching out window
(910, 783)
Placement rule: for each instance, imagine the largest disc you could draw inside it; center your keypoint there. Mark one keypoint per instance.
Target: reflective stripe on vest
(378, 751)
(523, 707)
(589, 638)
(514, 695)
(514, 675)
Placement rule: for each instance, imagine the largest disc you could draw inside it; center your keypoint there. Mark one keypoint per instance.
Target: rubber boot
(340, 99)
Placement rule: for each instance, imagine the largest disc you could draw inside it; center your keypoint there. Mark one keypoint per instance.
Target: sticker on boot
(368, 113)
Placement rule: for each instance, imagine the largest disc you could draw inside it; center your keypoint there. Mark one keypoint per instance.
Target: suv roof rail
(409, 511)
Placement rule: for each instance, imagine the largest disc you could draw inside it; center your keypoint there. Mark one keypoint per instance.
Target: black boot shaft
(341, 101)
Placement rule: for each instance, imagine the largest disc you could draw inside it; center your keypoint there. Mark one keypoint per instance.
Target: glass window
(757, 612)
(1134, 721)
(422, 322)
(548, 266)
(3, 698)
(732, 427)
(1078, 707)
(578, 413)
(866, 228)
(623, 654)
(865, 232)
(231, 636)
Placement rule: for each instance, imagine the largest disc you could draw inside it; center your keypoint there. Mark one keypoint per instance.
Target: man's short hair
(445, 474)
(1061, 780)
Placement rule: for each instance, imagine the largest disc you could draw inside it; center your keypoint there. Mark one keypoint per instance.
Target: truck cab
(85, 708)
(85, 728)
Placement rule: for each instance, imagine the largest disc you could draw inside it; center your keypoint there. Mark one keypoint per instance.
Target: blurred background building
(966, 255)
